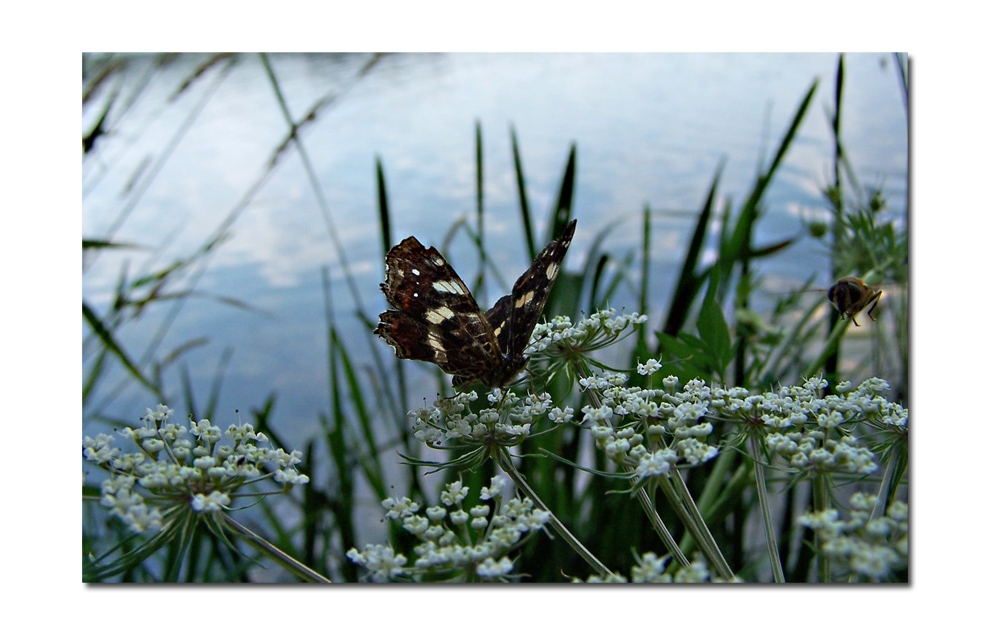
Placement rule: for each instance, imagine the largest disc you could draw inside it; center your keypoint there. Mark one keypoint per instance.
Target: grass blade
(523, 199)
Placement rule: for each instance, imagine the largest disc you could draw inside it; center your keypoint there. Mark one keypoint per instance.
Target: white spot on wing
(523, 301)
(449, 286)
(433, 339)
(552, 271)
(436, 316)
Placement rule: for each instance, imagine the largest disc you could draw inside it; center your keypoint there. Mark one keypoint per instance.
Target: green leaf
(713, 328)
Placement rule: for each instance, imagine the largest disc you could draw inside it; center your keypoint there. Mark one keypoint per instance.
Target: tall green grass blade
(644, 281)
(314, 182)
(830, 364)
(339, 362)
(111, 343)
(594, 267)
(527, 222)
(384, 218)
(92, 243)
(394, 402)
(343, 505)
(565, 198)
(740, 239)
(596, 283)
(688, 283)
(479, 284)
(903, 65)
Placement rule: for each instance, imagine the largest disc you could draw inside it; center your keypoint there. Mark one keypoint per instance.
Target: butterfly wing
(436, 319)
(514, 316)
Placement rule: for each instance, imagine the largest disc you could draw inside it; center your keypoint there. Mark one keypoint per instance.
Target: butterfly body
(436, 318)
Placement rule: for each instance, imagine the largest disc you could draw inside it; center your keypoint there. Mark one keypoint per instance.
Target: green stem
(667, 538)
(884, 494)
(820, 499)
(761, 491)
(690, 515)
(282, 558)
(505, 462)
(676, 492)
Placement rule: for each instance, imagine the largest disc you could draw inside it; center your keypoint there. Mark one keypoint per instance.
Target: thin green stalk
(523, 202)
(831, 346)
(761, 491)
(667, 538)
(885, 493)
(321, 200)
(820, 500)
(505, 462)
(691, 516)
(282, 558)
(646, 501)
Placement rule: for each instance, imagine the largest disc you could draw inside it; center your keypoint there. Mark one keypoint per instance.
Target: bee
(850, 295)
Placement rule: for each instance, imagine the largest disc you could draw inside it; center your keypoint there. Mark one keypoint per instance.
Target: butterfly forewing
(437, 319)
(531, 291)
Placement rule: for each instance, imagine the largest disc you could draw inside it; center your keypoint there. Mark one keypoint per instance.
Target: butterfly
(436, 319)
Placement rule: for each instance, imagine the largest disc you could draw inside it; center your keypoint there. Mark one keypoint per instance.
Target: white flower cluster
(872, 549)
(652, 569)
(809, 431)
(453, 541)
(507, 423)
(647, 429)
(597, 331)
(176, 470)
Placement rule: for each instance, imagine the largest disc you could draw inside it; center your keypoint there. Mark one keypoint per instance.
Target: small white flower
(213, 502)
(651, 366)
(498, 484)
(491, 569)
(655, 464)
(400, 508)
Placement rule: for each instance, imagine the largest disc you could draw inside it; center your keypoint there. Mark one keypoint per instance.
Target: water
(649, 129)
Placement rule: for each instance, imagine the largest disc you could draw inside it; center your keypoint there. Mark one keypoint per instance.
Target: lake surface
(176, 166)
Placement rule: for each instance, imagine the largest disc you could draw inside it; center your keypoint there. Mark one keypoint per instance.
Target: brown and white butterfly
(436, 319)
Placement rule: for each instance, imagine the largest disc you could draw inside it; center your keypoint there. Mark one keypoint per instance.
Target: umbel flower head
(179, 469)
(479, 434)
(651, 430)
(869, 549)
(455, 543)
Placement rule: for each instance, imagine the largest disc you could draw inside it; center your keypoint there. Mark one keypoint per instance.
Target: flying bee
(850, 295)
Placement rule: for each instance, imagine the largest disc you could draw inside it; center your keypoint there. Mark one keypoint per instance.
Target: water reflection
(184, 157)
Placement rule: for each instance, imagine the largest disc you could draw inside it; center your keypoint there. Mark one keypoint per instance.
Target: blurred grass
(717, 339)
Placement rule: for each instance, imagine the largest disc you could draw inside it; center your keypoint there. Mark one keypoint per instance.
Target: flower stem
(761, 491)
(282, 558)
(680, 497)
(667, 538)
(821, 501)
(505, 462)
(884, 494)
